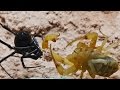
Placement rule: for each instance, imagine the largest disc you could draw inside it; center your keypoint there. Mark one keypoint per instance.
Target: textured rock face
(70, 24)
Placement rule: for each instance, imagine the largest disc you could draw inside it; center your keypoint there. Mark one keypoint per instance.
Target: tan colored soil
(70, 25)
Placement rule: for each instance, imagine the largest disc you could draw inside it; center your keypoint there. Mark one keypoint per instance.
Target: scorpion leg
(81, 75)
(90, 35)
(91, 69)
(58, 60)
(51, 37)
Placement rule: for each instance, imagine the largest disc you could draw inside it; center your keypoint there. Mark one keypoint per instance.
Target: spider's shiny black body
(25, 44)
(24, 39)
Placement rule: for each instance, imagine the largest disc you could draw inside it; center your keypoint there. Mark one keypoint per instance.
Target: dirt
(70, 25)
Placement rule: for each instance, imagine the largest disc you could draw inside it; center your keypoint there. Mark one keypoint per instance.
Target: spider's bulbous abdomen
(22, 39)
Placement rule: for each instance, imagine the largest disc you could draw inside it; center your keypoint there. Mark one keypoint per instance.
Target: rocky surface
(70, 25)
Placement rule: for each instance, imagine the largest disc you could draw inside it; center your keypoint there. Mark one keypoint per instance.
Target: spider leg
(20, 48)
(7, 56)
(23, 64)
(5, 59)
(35, 56)
(7, 28)
(9, 46)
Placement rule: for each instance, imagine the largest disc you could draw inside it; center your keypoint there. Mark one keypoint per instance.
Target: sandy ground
(70, 24)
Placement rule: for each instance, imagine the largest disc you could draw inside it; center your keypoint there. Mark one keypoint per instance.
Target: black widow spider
(25, 44)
